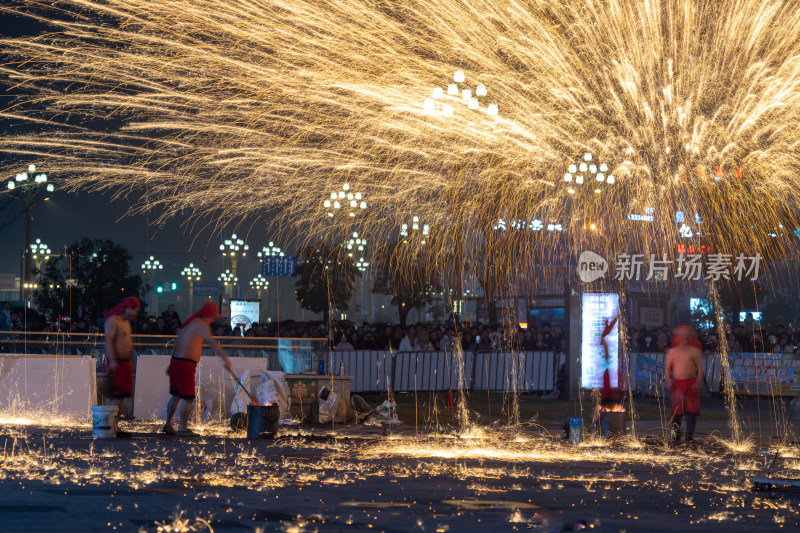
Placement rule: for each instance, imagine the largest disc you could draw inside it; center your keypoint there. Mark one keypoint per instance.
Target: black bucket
(262, 421)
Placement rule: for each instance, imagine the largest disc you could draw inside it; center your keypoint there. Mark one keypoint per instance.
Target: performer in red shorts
(684, 376)
(119, 350)
(182, 367)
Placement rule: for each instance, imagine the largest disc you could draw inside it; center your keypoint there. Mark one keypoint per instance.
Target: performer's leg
(691, 422)
(676, 427)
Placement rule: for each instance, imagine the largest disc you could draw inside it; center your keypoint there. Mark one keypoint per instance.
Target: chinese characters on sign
(692, 267)
(634, 267)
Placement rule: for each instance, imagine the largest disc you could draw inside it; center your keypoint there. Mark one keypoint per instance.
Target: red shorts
(181, 378)
(683, 399)
(121, 379)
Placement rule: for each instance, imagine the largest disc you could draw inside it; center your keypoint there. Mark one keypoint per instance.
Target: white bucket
(104, 421)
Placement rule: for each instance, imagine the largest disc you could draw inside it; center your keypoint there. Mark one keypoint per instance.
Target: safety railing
(296, 355)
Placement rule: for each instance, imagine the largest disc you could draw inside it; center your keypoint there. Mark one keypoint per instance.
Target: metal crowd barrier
(57, 343)
(376, 371)
(651, 381)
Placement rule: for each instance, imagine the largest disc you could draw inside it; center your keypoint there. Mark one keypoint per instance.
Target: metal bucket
(104, 421)
(612, 423)
(262, 421)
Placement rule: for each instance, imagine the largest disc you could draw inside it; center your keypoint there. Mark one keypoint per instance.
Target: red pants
(121, 379)
(683, 399)
(181, 378)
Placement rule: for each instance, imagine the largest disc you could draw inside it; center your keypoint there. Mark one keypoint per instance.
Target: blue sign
(278, 265)
(205, 288)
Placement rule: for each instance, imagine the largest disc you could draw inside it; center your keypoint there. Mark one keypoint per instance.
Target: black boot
(676, 428)
(691, 422)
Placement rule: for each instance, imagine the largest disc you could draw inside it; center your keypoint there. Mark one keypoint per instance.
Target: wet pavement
(353, 478)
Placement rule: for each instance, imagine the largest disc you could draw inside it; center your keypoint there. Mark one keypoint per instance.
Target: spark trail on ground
(262, 108)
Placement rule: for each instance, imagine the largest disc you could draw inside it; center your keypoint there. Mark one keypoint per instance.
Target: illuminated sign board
(244, 313)
(596, 311)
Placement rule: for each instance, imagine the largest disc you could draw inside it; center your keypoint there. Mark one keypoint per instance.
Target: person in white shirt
(407, 344)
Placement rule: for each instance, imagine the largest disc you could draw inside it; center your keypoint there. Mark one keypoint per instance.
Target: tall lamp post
(228, 278)
(30, 189)
(271, 250)
(192, 274)
(442, 102)
(348, 203)
(149, 267)
(259, 283)
(234, 248)
(40, 253)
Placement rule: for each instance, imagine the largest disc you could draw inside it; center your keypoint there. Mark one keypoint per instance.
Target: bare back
(118, 341)
(189, 344)
(684, 361)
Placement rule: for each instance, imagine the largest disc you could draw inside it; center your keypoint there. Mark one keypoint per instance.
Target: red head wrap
(130, 301)
(685, 335)
(209, 309)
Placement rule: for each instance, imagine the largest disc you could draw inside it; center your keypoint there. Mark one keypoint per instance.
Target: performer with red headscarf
(684, 376)
(119, 350)
(183, 365)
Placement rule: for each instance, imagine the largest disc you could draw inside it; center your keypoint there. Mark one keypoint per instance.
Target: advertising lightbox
(244, 313)
(598, 310)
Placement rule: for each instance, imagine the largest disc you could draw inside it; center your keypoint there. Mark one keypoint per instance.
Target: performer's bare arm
(698, 362)
(205, 332)
(668, 368)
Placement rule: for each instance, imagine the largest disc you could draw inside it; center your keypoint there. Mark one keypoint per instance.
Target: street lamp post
(271, 250)
(30, 189)
(362, 265)
(192, 274)
(149, 267)
(259, 283)
(234, 248)
(357, 244)
(228, 278)
(348, 202)
(40, 253)
(441, 102)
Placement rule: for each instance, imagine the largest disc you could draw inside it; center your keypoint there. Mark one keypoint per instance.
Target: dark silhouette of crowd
(748, 336)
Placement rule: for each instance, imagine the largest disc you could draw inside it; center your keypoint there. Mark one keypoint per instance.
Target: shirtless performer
(183, 365)
(119, 350)
(684, 376)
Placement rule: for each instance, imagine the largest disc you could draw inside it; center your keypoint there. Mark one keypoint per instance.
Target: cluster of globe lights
(234, 246)
(38, 248)
(271, 250)
(259, 283)
(150, 265)
(228, 278)
(343, 199)
(590, 170)
(22, 178)
(472, 100)
(191, 272)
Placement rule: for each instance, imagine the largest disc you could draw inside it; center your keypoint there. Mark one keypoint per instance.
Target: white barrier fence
(376, 371)
(647, 372)
(47, 386)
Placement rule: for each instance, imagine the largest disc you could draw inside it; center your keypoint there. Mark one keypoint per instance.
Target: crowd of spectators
(748, 336)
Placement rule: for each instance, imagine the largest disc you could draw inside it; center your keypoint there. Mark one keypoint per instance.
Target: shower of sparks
(493, 467)
(261, 108)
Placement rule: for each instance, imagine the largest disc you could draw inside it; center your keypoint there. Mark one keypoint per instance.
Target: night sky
(68, 217)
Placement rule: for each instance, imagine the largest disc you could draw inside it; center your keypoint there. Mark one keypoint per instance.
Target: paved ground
(353, 478)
